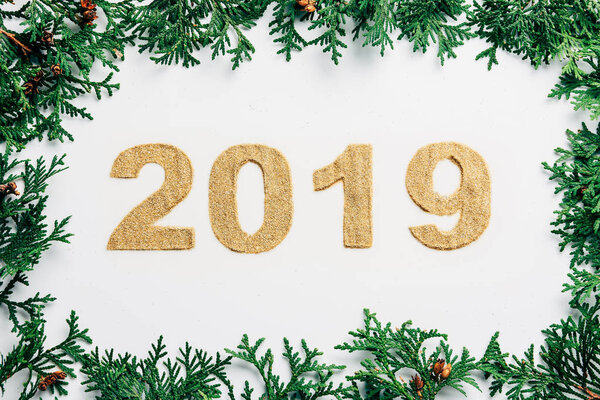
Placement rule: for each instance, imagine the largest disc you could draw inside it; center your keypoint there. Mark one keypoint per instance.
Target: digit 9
(472, 199)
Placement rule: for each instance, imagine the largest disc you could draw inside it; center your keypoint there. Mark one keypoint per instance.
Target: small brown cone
(446, 371)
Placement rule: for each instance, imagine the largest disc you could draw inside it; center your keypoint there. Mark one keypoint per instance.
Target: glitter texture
(278, 198)
(137, 231)
(354, 168)
(472, 199)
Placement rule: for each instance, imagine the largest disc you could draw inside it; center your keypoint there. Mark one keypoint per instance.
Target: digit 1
(354, 168)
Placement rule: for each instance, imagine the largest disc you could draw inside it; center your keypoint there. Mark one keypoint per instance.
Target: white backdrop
(310, 286)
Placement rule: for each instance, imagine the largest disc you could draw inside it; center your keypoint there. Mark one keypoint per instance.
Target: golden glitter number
(471, 199)
(278, 198)
(354, 168)
(137, 230)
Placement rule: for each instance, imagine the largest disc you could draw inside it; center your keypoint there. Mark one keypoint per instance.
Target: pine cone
(51, 379)
(88, 15)
(60, 375)
(38, 76)
(438, 367)
(88, 5)
(307, 5)
(30, 88)
(56, 69)
(47, 37)
(418, 382)
(446, 371)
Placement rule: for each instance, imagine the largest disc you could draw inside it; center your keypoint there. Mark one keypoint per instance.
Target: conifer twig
(593, 396)
(16, 41)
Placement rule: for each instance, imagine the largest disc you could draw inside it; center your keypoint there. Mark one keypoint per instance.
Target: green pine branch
(283, 27)
(46, 65)
(24, 233)
(543, 31)
(583, 286)
(32, 307)
(569, 366)
(397, 363)
(24, 237)
(577, 84)
(309, 378)
(330, 28)
(426, 22)
(376, 22)
(31, 355)
(176, 29)
(193, 374)
(577, 172)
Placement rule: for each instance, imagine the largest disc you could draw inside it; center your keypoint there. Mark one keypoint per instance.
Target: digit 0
(278, 198)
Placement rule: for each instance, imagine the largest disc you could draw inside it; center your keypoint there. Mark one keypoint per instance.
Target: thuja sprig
(309, 379)
(193, 374)
(171, 29)
(570, 356)
(569, 367)
(24, 233)
(426, 23)
(330, 27)
(398, 365)
(580, 80)
(46, 64)
(235, 16)
(46, 368)
(32, 307)
(542, 31)
(23, 239)
(175, 29)
(577, 175)
(283, 27)
(375, 23)
(583, 285)
(534, 30)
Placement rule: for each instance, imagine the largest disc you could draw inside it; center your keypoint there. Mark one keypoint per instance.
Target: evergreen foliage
(424, 20)
(392, 353)
(542, 31)
(577, 172)
(569, 367)
(330, 25)
(283, 27)
(46, 64)
(309, 378)
(24, 234)
(174, 29)
(23, 238)
(570, 357)
(192, 375)
(47, 60)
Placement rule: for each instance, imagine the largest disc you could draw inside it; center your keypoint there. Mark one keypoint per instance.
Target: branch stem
(592, 395)
(13, 39)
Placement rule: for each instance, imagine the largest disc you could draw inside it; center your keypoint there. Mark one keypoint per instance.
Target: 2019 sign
(353, 168)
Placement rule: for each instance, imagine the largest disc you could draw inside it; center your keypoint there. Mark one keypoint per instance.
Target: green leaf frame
(46, 66)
